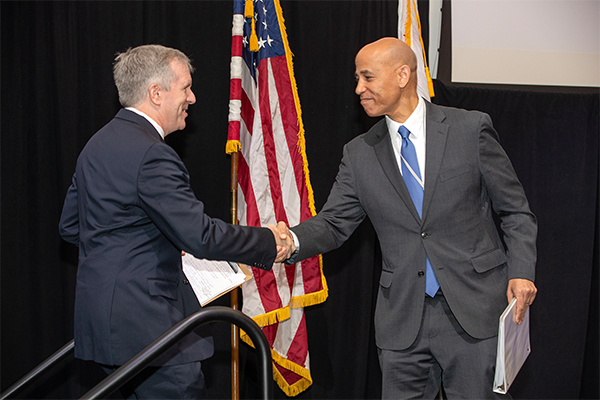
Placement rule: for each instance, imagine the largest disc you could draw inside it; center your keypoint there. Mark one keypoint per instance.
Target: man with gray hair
(131, 211)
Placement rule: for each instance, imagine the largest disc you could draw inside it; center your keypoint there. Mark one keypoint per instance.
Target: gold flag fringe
(233, 146)
(301, 140)
(311, 299)
(296, 388)
(290, 390)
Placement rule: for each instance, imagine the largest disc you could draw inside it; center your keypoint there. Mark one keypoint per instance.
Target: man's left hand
(524, 290)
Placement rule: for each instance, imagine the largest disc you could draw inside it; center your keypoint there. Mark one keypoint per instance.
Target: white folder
(513, 348)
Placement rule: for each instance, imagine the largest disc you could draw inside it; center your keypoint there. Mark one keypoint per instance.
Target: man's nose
(359, 87)
(192, 97)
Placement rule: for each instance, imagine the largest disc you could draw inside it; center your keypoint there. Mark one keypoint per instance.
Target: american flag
(265, 126)
(409, 31)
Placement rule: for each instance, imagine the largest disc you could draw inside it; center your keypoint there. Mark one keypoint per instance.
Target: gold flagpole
(235, 331)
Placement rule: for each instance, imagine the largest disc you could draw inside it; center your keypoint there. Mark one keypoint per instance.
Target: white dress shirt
(416, 125)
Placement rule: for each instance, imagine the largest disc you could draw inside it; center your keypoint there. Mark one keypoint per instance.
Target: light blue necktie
(415, 189)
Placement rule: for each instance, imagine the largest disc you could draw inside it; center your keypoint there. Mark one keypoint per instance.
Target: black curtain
(57, 90)
(552, 140)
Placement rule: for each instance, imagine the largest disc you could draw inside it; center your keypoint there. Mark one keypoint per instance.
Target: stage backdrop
(57, 90)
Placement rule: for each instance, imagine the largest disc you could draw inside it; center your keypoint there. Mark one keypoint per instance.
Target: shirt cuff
(294, 256)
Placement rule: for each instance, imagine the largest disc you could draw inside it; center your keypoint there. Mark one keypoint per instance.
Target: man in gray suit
(429, 178)
(131, 211)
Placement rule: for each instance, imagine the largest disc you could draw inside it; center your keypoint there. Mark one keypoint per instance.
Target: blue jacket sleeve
(166, 196)
(68, 226)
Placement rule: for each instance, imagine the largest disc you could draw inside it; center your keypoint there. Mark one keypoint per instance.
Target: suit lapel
(437, 133)
(380, 139)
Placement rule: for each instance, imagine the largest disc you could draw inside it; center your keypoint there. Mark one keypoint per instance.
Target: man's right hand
(284, 240)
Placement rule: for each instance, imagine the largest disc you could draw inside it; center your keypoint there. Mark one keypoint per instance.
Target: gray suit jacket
(131, 210)
(467, 175)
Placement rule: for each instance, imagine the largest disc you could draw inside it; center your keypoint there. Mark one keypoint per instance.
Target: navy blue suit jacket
(131, 211)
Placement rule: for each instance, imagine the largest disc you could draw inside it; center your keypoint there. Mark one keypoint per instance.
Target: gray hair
(137, 68)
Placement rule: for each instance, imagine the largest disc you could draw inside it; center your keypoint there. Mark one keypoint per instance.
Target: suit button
(420, 273)
(424, 235)
(186, 281)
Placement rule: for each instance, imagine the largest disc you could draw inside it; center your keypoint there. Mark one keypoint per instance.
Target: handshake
(284, 240)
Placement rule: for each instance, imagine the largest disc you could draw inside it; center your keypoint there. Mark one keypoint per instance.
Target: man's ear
(403, 75)
(155, 94)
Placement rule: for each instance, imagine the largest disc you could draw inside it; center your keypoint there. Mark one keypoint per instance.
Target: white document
(211, 279)
(513, 348)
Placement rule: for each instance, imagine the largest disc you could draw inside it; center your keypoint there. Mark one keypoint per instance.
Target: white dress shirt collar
(160, 130)
(415, 123)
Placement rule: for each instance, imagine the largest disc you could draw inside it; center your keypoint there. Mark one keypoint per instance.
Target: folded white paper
(211, 279)
(513, 348)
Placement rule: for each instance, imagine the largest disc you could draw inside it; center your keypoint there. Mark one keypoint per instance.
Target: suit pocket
(162, 287)
(386, 279)
(454, 172)
(488, 260)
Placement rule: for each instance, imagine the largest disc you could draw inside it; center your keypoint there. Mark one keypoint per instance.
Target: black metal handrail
(131, 368)
(160, 345)
(51, 361)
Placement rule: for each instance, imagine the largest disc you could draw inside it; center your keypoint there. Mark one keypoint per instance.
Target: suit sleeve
(340, 216)
(166, 196)
(518, 223)
(68, 226)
